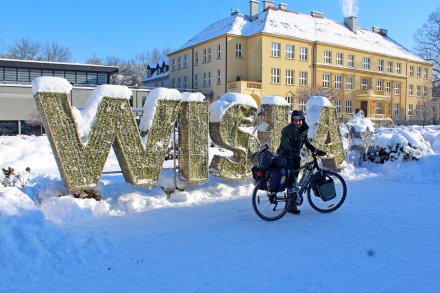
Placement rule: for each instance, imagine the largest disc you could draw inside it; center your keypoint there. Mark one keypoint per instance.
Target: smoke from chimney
(349, 7)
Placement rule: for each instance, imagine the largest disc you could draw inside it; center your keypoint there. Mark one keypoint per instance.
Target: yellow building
(277, 52)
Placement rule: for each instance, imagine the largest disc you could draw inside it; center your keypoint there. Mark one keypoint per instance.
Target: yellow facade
(381, 84)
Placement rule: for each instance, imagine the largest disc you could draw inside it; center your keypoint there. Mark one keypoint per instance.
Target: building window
(380, 65)
(173, 83)
(418, 91)
(209, 78)
(196, 81)
(390, 67)
(289, 100)
(396, 109)
(276, 49)
(418, 72)
(398, 68)
(303, 54)
(275, 75)
(327, 57)
(379, 85)
(303, 78)
(209, 55)
(174, 64)
(219, 51)
(348, 107)
(204, 79)
(196, 58)
(366, 63)
(238, 51)
(350, 61)
(219, 76)
(388, 87)
(290, 51)
(365, 84)
(418, 110)
(339, 59)
(379, 107)
(185, 82)
(338, 107)
(302, 105)
(338, 82)
(425, 72)
(425, 91)
(185, 61)
(326, 80)
(349, 83)
(410, 90)
(411, 71)
(290, 77)
(179, 83)
(179, 65)
(205, 55)
(410, 109)
(397, 88)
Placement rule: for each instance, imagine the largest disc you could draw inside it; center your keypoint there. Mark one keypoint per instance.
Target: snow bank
(219, 107)
(85, 117)
(151, 103)
(192, 97)
(274, 100)
(360, 123)
(314, 106)
(51, 85)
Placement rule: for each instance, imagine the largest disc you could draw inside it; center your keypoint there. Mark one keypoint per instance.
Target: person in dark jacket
(293, 138)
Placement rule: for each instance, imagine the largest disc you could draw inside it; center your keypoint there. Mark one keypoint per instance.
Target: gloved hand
(319, 153)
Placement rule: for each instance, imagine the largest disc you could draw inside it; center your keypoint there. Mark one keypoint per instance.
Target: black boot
(294, 210)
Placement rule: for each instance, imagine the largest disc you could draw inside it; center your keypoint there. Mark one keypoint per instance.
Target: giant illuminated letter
(272, 118)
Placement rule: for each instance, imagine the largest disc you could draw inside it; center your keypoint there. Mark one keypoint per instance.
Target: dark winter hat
(297, 115)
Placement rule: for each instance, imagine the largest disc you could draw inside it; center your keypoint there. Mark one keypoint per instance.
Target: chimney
(383, 32)
(351, 22)
(267, 4)
(282, 6)
(375, 29)
(317, 14)
(237, 11)
(253, 9)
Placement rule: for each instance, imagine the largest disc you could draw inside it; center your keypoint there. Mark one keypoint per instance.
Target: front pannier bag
(324, 187)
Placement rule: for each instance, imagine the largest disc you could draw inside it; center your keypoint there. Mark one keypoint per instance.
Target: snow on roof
(155, 76)
(163, 59)
(305, 27)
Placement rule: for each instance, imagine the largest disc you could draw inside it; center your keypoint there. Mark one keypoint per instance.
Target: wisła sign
(81, 151)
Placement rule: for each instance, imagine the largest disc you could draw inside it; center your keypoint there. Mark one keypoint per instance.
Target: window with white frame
(185, 60)
(425, 72)
(276, 49)
(338, 107)
(418, 72)
(289, 100)
(366, 63)
(411, 71)
(410, 109)
(390, 67)
(379, 107)
(418, 90)
(196, 58)
(425, 91)
(339, 59)
(338, 82)
(219, 51)
(290, 51)
(302, 104)
(350, 61)
(179, 83)
(275, 75)
(238, 51)
(410, 90)
(185, 82)
(388, 87)
(418, 110)
(349, 83)
(204, 79)
(379, 85)
(326, 80)
(327, 57)
(380, 65)
(174, 64)
(196, 80)
(205, 55)
(348, 107)
(290, 77)
(396, 109)
(398, 68)
(209, 78)
(364, 84)
(303, 53)
(303, 78)
(209, 55)
(397, 88)
(219, 76)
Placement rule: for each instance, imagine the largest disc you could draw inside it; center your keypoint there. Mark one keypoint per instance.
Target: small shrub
(11, 178)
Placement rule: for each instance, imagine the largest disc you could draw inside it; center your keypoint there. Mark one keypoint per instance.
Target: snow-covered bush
(360, 137)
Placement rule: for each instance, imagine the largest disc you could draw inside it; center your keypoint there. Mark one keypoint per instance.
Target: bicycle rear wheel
(317, 203)
(269, 206)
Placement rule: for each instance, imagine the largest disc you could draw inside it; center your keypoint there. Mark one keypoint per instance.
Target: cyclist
(293, 137)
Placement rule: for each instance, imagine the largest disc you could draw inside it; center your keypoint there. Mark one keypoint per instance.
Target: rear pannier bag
(277, 180)
(263, 160)
(325, 188)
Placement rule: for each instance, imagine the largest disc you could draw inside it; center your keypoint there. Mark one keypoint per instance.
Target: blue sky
(124, 28)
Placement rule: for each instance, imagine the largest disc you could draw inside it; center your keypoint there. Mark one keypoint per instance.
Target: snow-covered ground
(208, 239)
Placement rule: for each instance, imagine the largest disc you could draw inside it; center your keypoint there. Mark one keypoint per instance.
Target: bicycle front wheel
(269, 206)
(315, 200)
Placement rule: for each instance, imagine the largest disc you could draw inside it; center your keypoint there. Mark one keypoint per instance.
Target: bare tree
(425, 109)
(55, 52)
(95, 60)
(303, 93)
(24, 49)
(428, 45)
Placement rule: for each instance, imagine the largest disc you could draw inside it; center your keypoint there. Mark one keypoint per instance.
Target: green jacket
(292, 140)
